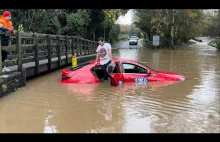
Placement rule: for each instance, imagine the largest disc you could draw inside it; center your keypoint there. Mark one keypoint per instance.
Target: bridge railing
(33, 47)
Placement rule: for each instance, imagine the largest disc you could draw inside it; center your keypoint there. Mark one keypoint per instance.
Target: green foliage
(142, 20)
(20, 28)
(49, 23)
(215, 43)
(147, 43)
(95, 27)
(111, 15)
(83, 22)
(172, 25)
(17, 89)
(77, 23)
(36, 20)
(213, 26)
(114, 33)
(218, 44)
(4, 87)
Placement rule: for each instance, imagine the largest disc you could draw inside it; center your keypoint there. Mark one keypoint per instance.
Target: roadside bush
(218, 44)
(147, 43)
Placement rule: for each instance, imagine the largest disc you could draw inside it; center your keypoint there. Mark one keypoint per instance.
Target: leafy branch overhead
(88, 23)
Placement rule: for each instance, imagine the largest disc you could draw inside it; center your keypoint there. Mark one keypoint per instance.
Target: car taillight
(65, 77)
(65, 74)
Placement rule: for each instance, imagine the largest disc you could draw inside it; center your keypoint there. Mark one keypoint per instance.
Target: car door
(134, 72)
(115, 75)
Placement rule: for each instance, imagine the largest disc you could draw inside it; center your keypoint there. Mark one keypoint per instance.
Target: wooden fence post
(49, 52)
(77, 46)
(58, 50)
(66, 47)
(36, 53)
(81, 44)
(89, 47)
(94, 47)
(1, 56)
(72, 45)
(19, 51)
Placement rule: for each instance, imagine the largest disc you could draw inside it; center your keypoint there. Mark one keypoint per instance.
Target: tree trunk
(172, 28)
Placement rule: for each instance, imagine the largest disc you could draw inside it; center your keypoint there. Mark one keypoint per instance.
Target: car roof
(91, 63)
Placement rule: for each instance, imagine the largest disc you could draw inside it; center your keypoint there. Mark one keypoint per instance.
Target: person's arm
(3, 29)
(2, 26)
(12, 28)
(2, 23)
(110, 53)
(97, 55)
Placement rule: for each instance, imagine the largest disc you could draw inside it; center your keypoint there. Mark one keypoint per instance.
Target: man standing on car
(104, 54)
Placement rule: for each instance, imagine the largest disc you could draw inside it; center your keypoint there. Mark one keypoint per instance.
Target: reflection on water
(192, 106)
(87, 91)
(47, 127)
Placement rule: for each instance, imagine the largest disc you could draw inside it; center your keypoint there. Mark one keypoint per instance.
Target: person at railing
(5, 25)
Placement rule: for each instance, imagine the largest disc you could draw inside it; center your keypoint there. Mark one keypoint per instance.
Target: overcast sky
(126, 19)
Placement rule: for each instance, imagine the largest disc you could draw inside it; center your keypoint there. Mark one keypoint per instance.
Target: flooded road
(191, 106)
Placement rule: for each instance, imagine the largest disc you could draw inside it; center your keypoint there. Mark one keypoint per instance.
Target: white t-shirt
(104, 53)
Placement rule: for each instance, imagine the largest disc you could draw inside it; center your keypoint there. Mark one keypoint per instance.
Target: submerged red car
(123, 71)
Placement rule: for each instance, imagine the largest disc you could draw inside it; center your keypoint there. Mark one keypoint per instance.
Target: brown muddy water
(192, 106)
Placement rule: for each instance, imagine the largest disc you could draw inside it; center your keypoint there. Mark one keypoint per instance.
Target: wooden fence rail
(33, 47)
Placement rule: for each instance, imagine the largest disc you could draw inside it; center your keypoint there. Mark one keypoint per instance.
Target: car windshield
(133, 38)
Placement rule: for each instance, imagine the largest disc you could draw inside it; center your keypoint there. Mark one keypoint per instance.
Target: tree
(172, 25)
(114, 33)
(84, 22)
(77, 23)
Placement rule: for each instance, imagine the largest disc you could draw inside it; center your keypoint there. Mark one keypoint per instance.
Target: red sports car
(122, 71)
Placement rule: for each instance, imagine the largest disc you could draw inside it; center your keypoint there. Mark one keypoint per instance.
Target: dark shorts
(4, 42)
(104, 67)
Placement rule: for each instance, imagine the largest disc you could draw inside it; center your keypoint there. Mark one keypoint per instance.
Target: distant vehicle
(134, 37)
(197, 39)
(133, 40)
